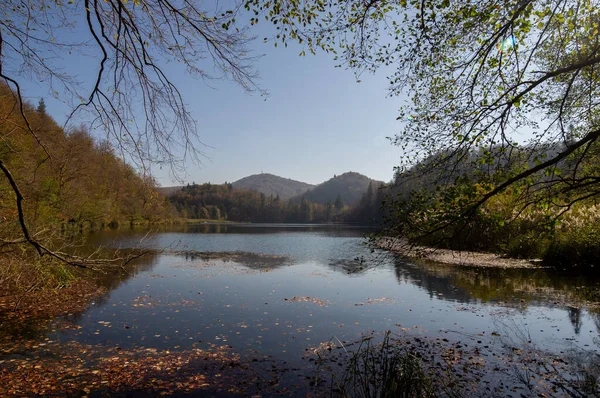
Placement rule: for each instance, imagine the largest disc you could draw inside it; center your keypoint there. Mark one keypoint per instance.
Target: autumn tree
(131, 101)
(507, 91)
(83, 182)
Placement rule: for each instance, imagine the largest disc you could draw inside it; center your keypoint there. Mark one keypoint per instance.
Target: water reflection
(112, 278)
(249, 260)
(340, 249)
(339, 230)
(525, 286)
(575, 318)
(435, 281)
(15, 327)
(200, 291)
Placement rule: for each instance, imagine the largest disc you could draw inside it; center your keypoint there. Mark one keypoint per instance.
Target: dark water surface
(276, 290)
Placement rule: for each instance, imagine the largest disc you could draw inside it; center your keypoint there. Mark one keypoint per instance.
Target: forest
(70, 181)
(223, 202)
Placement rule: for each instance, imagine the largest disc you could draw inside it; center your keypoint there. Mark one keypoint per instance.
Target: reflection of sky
(193, 301)
(300, 242)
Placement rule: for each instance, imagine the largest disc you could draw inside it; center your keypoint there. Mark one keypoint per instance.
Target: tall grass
(383, 370)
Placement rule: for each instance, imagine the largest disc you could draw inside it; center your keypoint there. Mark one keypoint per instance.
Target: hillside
(350, 186)
(270, 184)
(84, 183)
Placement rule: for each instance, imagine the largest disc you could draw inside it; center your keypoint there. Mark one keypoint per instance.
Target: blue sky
(316, 122)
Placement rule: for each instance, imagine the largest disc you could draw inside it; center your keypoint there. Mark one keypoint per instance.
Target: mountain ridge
(271, 184)
(349, 186)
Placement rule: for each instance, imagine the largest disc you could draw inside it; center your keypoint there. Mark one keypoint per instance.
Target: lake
(277, 294)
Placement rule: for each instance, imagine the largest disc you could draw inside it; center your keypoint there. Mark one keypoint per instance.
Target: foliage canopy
(498, 96)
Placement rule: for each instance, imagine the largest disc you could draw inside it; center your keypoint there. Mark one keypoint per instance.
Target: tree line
(223, 202)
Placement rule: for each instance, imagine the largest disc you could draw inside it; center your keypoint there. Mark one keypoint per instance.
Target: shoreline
(454, 257)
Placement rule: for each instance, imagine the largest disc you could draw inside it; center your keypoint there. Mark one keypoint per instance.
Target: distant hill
(270, 184)
(350, 186)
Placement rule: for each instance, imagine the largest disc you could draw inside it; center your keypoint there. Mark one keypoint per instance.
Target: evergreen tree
(41, 108)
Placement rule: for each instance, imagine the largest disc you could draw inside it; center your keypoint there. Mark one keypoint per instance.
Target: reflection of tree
(325, 229)
(112, 280)
(436, 284)
(464, 284)
(355, 266)
(575, 318)
(250, 260)
(34, 324)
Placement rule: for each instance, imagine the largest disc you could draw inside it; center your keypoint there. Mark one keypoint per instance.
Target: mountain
(350, 186)
(270, 184)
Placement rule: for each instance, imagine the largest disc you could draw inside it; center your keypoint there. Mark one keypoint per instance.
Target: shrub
(575, 247)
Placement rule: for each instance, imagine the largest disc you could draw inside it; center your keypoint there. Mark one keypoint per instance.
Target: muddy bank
(454, 257)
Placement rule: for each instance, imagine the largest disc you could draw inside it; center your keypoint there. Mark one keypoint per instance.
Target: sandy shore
(454, 257)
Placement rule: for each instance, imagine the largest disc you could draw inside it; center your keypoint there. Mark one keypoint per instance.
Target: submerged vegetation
(384, 370)
(421, 367)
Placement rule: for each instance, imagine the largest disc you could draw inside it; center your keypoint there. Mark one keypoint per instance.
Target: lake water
(279, 291)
